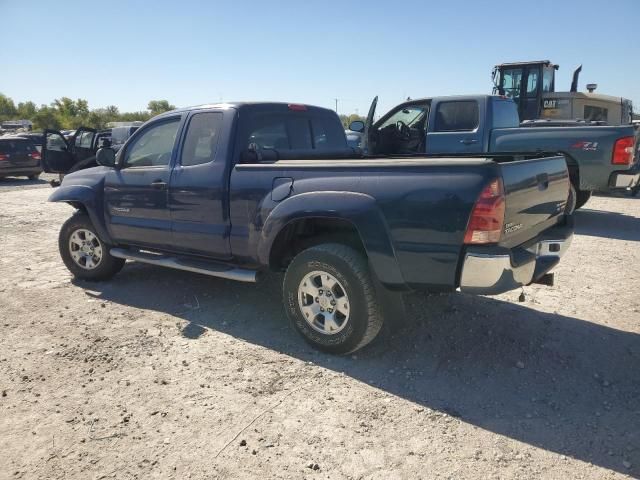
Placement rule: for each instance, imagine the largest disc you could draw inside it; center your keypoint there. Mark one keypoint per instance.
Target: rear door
(83, 143)
(455, 127)
(199, 188)
(57, 156)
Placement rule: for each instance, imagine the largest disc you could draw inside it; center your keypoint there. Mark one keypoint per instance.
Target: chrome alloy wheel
(85, 249)
(324, 302)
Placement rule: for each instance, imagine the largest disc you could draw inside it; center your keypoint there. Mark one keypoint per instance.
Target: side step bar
(190, 265)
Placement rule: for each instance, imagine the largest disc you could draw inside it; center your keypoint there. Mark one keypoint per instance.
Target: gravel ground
(165, 374)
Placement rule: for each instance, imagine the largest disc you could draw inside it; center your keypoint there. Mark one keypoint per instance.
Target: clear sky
(126, 53)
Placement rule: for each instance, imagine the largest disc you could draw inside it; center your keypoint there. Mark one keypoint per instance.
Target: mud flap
(392, 304)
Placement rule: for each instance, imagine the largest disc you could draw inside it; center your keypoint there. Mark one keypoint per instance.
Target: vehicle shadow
(559, 383)
(599, 223)
(20, 182)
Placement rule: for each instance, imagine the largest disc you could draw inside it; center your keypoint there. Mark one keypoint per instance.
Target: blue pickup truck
(599, 158)
(233, 190)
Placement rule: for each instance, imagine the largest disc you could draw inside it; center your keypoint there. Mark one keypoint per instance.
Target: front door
(198, 192)
(454, 127)
(136, 192)
(365, 144)
(401, 131)
(57, 156)
(530, 99)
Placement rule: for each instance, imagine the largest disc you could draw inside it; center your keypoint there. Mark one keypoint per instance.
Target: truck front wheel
(85, 255)
(330, 298)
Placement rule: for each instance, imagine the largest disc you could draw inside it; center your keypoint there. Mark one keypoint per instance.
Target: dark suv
(19, 157)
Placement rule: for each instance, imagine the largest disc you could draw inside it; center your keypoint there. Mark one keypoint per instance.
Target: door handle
(159, 184)
(468, 141)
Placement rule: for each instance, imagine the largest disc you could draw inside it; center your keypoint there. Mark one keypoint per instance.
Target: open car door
(84, 145)
(57, 156)
(367, 127)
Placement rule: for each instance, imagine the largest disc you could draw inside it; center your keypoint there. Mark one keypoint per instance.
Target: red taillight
(297, 107)
(487, 216)
(35, 155)
(4, 156)
(623, 151)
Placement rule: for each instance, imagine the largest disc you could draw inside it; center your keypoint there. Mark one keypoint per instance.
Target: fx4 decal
(587, 146)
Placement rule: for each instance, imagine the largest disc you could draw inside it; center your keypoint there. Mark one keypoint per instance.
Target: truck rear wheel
(330, 298)
(85, 255)
(582, 197)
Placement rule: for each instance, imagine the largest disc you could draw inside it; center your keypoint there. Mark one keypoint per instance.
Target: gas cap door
(281, 188)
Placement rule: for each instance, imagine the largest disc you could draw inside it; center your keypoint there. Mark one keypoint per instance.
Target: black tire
(582, 197)
(35, 176)
(571, 200)
(351, 270)
(104, 269)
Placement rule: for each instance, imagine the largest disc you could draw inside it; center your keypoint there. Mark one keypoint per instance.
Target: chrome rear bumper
(626, 178)
(493, 270)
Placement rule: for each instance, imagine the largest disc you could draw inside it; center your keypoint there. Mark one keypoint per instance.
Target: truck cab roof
(273, 106)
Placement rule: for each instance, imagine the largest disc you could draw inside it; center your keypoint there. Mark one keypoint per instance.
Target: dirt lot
(163, 374)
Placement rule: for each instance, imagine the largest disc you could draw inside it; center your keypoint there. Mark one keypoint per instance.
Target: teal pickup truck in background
(599, 157)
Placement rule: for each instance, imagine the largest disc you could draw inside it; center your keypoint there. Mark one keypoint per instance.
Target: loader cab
(525, 83)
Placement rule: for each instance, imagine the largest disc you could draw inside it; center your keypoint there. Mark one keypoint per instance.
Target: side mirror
(106, 157)
(356, 126)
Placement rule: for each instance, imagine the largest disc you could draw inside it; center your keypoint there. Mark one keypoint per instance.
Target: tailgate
(536, 193)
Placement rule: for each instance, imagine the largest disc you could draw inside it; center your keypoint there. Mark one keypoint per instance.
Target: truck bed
(424, 202)
(588, 147)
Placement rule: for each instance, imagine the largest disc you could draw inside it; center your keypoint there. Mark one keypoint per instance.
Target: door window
(532, 83)
(55, 142)
(547, 79)
(84, 139)
(410, 116)
(154, 146)
(202, 138)
(457, 116)
(512, 80)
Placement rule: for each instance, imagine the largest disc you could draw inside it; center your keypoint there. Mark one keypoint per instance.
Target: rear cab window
(505, 113)
(302, 131)
(457, 116)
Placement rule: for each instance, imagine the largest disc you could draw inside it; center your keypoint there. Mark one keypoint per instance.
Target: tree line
(65, 113)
